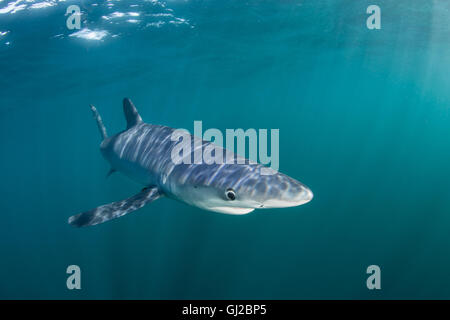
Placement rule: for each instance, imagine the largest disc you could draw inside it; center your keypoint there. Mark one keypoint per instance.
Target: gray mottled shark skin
(143, 153)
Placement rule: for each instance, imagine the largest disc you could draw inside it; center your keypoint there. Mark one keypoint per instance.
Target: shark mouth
(231, 210)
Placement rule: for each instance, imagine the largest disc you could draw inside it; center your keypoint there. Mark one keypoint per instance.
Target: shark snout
(295, 194)
(304, 196)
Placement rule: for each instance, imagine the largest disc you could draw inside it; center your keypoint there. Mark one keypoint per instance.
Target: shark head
(237, 189)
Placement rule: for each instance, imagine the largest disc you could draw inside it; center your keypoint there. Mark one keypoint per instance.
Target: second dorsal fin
(131, 114)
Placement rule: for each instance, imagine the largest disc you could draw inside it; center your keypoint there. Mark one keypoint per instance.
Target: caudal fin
(101, 126)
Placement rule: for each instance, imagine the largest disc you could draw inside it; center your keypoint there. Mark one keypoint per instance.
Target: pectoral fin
(115, 209)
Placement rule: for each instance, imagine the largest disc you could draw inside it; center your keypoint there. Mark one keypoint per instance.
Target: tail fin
(131, 114)
(100, 124)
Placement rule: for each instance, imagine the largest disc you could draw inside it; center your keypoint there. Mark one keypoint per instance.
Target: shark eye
(231, 195)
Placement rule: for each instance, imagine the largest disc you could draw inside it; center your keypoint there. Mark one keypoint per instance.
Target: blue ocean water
(363, 118)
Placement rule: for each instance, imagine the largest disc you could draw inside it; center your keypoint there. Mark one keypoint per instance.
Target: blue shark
(143, 152)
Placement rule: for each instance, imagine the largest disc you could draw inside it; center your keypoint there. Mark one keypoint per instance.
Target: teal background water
(363, 118)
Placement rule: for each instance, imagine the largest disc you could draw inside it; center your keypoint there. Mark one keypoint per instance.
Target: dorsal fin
(131, 114)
